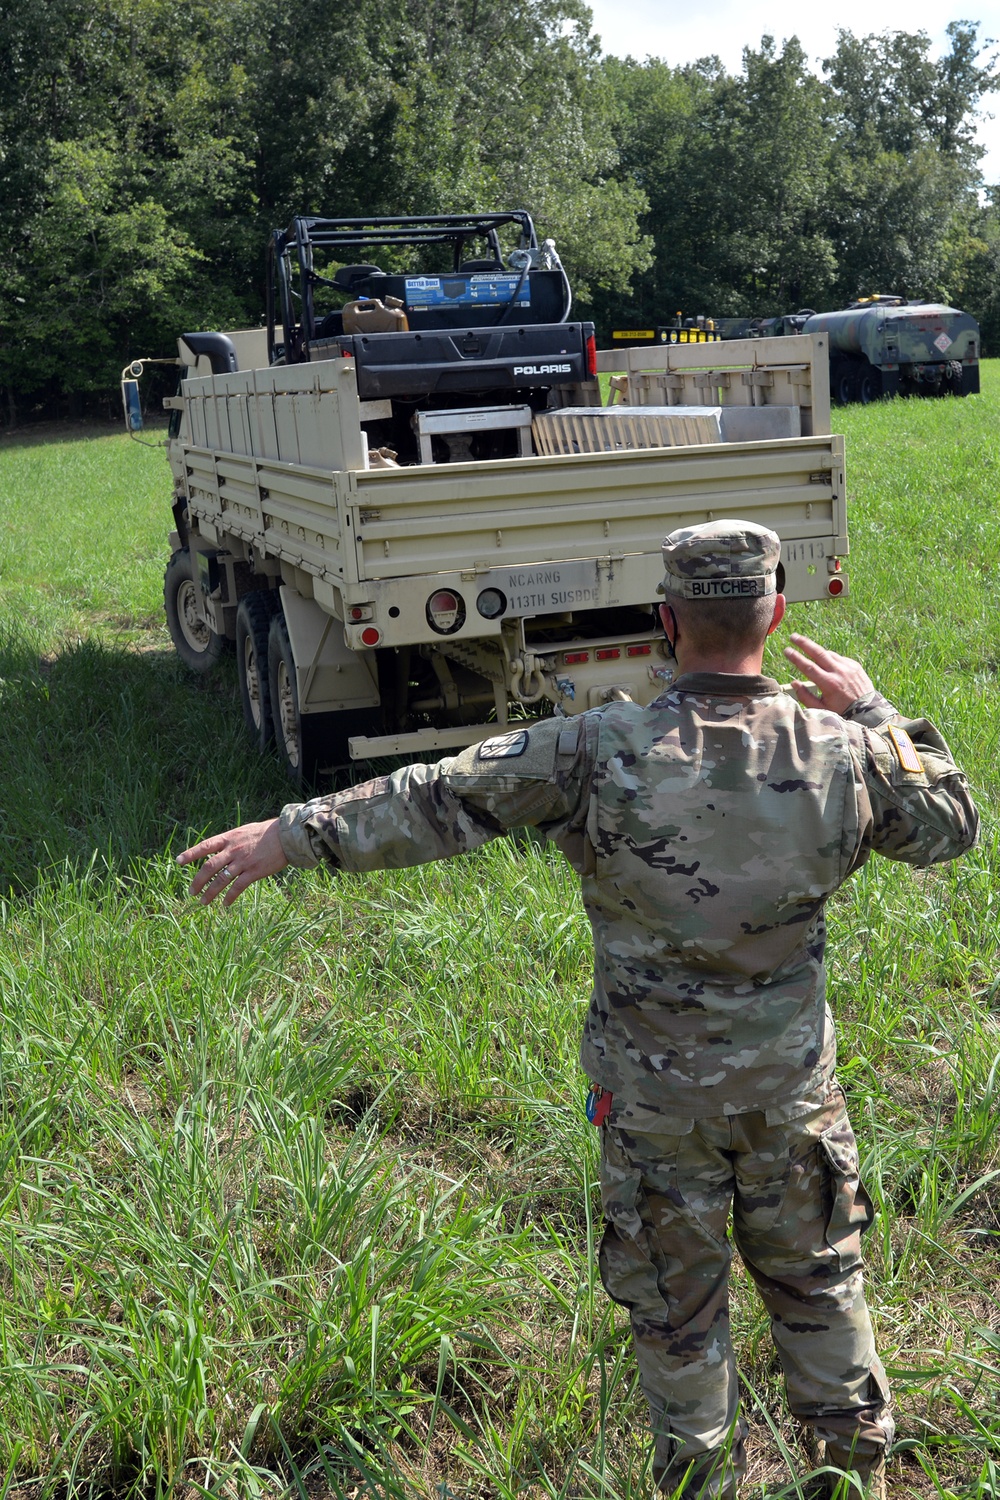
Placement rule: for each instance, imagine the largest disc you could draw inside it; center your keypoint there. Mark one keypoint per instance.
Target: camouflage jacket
(708, 829)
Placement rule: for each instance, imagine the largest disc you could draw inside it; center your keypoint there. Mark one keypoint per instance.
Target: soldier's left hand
(840, 679)
(234, 860)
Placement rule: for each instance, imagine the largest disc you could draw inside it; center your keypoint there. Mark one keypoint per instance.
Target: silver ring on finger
(227, 872)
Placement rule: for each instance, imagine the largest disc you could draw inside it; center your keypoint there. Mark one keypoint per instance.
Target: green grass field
(300, 1196)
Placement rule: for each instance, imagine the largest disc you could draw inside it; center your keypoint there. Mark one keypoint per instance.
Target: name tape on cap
(724, 588)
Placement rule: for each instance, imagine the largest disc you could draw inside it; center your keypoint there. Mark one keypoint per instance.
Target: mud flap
(329, 674)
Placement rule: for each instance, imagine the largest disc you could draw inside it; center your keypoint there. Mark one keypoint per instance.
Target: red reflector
(591, 355)
(835, 586)
(371, 636)
(606, 653)
(570, 657)
(639, 650)
(357, 613)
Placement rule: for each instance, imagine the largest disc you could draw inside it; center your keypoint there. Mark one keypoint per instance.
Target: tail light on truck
(446, 612)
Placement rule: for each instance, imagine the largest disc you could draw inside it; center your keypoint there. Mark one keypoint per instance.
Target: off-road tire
(308, 744)
(253, 626)
(870, 385)
(844, 382)
(196, 643)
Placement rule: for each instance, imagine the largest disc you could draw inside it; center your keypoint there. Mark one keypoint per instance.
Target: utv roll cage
(292, 276)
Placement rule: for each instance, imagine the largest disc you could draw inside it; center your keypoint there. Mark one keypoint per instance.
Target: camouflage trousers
(798, 1212)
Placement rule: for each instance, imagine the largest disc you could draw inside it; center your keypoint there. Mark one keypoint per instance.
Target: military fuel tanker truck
(886, 346)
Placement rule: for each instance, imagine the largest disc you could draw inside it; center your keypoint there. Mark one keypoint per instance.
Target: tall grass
(299, 1198)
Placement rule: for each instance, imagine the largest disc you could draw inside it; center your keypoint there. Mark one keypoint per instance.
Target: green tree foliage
(424, 106)
(147, 147)
(104, 256)
(902, 201)
(978, 274)
(777, 150)
(773, 188)
(124, 163)
(734, 169)
(889, 89)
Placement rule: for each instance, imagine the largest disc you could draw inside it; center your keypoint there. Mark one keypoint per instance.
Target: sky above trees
(678, 33)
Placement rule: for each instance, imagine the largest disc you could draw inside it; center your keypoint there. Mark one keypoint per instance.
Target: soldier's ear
(779, 613)
(669, 622)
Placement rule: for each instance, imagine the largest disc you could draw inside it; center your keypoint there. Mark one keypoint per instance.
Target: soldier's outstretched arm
(539, 777)
(920, 809)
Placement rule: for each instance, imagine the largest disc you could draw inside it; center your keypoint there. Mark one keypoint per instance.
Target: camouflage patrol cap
(721, 560)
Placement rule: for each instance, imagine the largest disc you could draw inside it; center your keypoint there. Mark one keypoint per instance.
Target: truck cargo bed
(491, 521)
(414, 604)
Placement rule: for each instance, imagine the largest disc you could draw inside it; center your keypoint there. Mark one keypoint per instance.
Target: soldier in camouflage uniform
(708, 830)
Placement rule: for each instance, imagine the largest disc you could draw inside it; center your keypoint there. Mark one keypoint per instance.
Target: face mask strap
(670, 643)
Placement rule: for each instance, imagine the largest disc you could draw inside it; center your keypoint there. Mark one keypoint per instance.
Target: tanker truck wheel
(196, 643)
(844, 382)
(253, 626)
(870, 385)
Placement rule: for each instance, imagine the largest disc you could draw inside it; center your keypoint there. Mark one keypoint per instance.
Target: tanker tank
(887, 346)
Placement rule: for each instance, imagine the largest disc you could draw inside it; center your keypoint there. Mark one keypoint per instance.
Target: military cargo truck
(501, 560)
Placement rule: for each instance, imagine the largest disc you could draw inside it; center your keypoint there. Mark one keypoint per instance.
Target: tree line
(147, 148)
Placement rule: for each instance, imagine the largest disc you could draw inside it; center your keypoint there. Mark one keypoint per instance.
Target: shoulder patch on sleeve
(504, 746)
(906, 750)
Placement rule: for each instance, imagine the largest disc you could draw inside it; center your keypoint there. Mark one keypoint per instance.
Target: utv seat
(330, 326)
(348, 277)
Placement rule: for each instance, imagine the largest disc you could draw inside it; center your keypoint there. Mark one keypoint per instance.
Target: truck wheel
(844, 383)
(870, 386)
(196, 643)
(306, 743)
(253, 625)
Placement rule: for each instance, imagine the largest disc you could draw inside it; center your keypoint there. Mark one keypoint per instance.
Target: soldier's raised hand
(840, 679)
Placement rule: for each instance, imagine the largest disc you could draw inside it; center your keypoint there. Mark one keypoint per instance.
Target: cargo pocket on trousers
(621, 1183)
(848, 1207)
(623, 1256)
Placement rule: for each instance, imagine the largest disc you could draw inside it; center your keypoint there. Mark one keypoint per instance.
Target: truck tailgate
(446, 517)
